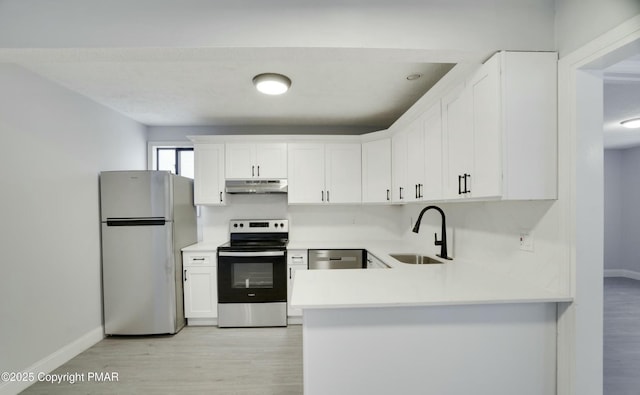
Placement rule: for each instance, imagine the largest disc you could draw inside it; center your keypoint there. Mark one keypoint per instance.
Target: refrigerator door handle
(136, 221)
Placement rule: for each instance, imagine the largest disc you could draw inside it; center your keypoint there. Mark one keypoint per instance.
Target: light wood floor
(621, 336)
(197, 360)
(249, 361)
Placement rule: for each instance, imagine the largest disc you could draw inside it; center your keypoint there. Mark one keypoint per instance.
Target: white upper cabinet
(486, 169)
(343, 177)
(399, 165)
(376, 171)
(433, 168)
(500, 132)
(256, 161)
(306, 173)
(325, 173)
(458, 141)
(208, 180)
(415, 160)
(408, 163)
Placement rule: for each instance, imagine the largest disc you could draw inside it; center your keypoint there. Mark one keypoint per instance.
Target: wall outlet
(526, 241)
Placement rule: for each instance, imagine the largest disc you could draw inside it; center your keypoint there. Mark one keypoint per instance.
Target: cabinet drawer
(199, 260)
(297, 257)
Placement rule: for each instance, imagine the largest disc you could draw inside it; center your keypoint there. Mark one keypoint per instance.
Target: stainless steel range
(252, 274)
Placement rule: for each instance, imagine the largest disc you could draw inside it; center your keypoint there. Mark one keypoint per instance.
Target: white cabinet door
(296, 260)
(240, 160)
(458, 141)
(433, 168)
(399, 167)
(486, 173)
(325, 173)
(249, 161)
(209, 174)
(271, 160)
(200, 285)
(343, 177)
(415, 160)
(200, 299)
(306, 173)
(376, 171)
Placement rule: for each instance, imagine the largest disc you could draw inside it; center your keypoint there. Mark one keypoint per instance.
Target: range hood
(256, 186)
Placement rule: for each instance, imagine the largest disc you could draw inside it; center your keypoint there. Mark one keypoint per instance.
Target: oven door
(252, 276)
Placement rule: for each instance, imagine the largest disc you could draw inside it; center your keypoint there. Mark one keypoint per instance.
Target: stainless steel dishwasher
(337, 259)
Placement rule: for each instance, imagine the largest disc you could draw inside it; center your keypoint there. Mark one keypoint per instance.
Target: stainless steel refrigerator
(147, 217)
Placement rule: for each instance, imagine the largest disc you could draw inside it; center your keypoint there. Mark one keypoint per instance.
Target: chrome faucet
(443, 241)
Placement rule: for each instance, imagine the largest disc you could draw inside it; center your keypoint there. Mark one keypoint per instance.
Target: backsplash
(482, 232)
(488, 233)
(313, 222)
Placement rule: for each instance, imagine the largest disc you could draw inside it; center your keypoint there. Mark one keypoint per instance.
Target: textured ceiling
(358, 90)
(214, 87)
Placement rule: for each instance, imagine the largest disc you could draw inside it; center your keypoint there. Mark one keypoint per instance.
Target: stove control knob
(276, 225)
(282, 225)
(242, 225)
(235, 225)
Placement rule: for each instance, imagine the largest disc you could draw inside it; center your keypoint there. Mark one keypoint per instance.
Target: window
(178, 160)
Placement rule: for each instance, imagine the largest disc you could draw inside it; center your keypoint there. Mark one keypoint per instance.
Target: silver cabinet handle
(258, 170)
(328, 200)
(323, 196)
(253, 168)
(387, 195)
(185, 275)
(220, 197)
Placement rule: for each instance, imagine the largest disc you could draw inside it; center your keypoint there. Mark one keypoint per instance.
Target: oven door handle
(251, 254)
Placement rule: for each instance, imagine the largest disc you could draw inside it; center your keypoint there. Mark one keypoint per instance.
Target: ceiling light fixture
(272, 83)
(631, 123)
(413, 77)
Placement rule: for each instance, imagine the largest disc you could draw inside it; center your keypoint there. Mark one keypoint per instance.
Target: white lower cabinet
(296, 260)
(200, 288)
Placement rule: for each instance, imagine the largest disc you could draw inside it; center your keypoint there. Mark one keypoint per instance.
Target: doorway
(581, 144)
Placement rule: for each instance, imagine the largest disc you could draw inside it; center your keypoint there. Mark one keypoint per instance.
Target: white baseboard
(202, 322)
(54, 360)
(622, 273)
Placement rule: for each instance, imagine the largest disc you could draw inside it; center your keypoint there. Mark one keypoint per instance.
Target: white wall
(613, 210)
(54, 144)
(580, 21)
(457, 26)
(180, 133)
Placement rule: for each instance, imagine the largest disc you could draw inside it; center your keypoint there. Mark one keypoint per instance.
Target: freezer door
(139, 280)
(135, 194)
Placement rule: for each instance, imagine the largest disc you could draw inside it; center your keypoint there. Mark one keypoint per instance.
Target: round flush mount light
(413, 77)
(272, 83)
(631, 123)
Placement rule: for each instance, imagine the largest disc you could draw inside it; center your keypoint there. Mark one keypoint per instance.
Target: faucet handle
(436, 241)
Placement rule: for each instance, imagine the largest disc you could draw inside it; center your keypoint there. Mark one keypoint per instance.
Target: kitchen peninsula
(451, 328)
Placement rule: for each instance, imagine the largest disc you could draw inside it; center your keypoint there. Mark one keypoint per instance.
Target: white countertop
(456, 282)
(204, 246)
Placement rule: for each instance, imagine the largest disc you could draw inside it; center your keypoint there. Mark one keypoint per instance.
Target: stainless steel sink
(415, 259)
